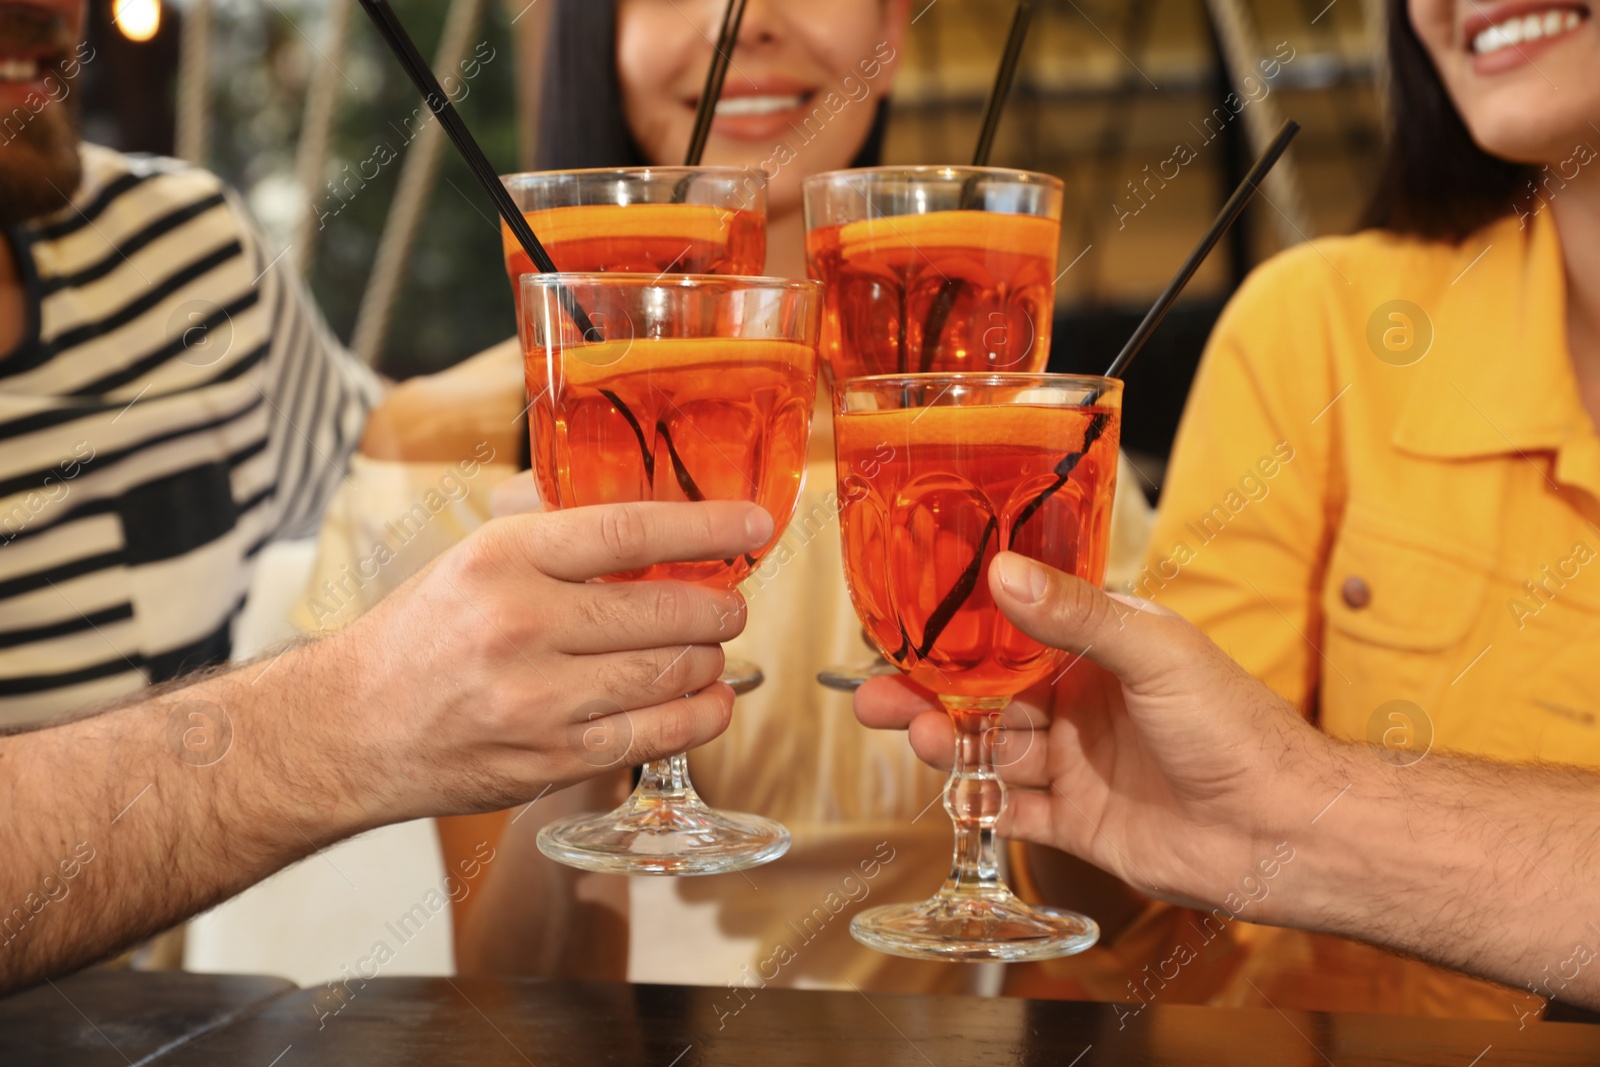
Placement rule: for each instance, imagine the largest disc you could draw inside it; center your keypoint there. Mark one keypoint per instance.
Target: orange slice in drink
(684, 222)
(895, 237)
(973, 426)
(585, 364)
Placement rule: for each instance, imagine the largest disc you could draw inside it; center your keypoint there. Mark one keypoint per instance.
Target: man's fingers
(578, 544)
(1020, 739)
(1020, 749)
(630, 680)
(619, 616)
(1136, 640)
(680, 725)
(891, 701)
(1036, 815)
(933, 739)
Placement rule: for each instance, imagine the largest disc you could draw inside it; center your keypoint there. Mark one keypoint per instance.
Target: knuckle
(731, 616)
(596, 608)
(697, 669)
(705, 526)
(481, 556)
(674, 669)
(672, 607)
(677, 730)
(629, 676)
(1079, 608)
(508, 628)
(622, 529)
(660, 669)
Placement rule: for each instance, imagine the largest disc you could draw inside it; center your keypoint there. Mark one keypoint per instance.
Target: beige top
(855, 800)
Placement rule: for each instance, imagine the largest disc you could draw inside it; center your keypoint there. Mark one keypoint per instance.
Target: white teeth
(758, 105)
(1524, 28)
(19, 70)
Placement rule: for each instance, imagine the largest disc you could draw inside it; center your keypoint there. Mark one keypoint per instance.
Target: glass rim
(552, 279)
(953, 170)
(867, 381)
(677, 171)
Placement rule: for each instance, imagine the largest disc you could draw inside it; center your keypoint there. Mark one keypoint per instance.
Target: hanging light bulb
(139, 20)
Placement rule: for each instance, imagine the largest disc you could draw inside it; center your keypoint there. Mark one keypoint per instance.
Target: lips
(15, 70)
(760, 108)
(35, 43)
(24, 80)
(1516, 28)
(739, 106)
(1507, 36)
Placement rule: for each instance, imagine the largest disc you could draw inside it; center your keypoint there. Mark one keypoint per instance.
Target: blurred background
(298, 105)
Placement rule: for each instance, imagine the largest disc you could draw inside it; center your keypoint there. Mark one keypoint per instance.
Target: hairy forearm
(1480, 866)
(123, 824)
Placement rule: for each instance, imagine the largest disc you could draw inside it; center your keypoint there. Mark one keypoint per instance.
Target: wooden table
(441, 1022)
(119, 1018)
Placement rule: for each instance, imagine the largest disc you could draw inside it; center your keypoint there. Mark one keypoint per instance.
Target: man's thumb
(1131, 638)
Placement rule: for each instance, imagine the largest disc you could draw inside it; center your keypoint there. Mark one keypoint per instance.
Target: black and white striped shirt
(176, 402)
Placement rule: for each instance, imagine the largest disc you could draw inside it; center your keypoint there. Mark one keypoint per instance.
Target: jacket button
(1357, 593)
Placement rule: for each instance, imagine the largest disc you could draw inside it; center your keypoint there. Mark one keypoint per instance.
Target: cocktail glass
(937, 474)
(931, 269)
(670, 388)
(645, 220)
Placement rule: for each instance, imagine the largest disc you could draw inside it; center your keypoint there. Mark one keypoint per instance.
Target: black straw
(1229, 214)
(1002, 82)
(939, 311)
(399, 42)
(727, 38)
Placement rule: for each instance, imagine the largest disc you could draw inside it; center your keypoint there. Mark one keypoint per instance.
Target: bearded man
(170, 398)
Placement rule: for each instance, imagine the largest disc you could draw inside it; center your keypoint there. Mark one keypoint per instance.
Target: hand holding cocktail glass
(670, 388)
(920, 533)
(604, 352)
(939, 474)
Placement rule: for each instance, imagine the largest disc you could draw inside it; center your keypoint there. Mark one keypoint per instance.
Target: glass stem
(974, 797)
(665, 781)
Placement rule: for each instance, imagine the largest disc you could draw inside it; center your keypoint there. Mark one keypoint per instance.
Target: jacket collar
(1498, 378)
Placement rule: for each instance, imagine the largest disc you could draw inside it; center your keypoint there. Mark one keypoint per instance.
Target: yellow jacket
(1383, 502)
(1422, 564)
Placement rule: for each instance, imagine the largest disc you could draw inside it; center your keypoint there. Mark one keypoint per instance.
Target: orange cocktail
(939, 473)
(670, 388)
(648, 220)
(675, 419)
(644, 239)
(961, 485)
(934, 269)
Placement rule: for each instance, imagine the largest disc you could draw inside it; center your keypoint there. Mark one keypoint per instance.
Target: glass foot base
(741, 676)
(974, 929)
(677, 837)
(849, 679)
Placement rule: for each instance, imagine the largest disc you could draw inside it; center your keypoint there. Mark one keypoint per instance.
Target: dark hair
(581, 121)
(1434, 182)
